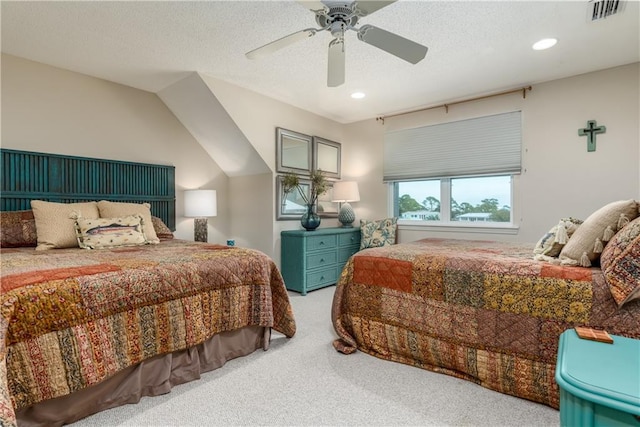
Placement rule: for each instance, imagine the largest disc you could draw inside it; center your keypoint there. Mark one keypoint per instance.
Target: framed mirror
(293, 152)
(326, 208)
(290, 205)
(326, 157)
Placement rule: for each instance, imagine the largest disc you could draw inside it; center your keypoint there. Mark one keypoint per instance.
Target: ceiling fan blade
(314, 5)
(280, 43)
(394, 44)
(335, 72)
(367, 7)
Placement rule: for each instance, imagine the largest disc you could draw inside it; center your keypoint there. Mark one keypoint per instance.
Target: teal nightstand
(599, 382)
(314, 259)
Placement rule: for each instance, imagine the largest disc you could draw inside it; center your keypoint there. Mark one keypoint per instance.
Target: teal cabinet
(314, 259)
(599, 383)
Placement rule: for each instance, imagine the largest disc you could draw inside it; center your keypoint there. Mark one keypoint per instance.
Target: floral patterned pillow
(620, 263)
(374, 234)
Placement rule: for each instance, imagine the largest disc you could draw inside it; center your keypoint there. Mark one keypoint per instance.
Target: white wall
(560, 178)
(258, 116)
(50, 110)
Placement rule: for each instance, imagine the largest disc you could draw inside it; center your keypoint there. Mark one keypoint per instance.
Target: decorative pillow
(162, 231)
(552, 242)
(374, 234)
(110, 232)
(117, 210)
(55, 227)
(589, 240)
(17, 229)
(29, 231)
(620, 263)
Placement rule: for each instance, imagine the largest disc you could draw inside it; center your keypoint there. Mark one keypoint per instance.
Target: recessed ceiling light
(544, 44)
(358, 95)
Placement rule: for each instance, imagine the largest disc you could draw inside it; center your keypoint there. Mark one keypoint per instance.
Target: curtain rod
(446, 106)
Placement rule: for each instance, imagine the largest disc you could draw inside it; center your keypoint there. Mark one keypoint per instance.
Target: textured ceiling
(475, 47)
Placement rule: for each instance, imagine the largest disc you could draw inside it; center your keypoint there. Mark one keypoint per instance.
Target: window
(463, 201)
(458, 173)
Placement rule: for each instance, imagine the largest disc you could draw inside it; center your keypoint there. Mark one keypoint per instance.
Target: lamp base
(346, 215)
(200, 230)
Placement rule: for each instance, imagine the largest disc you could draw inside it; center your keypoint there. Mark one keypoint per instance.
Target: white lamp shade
(345, 191)
(200, 203)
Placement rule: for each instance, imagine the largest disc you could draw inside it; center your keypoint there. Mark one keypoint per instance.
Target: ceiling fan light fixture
(544, 44)
(358, 95)
(337, 17)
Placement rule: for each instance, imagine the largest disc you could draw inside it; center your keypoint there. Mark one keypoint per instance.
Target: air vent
(600, 9)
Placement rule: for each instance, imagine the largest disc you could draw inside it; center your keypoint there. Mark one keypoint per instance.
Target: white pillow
(589, 240)
(54, 226)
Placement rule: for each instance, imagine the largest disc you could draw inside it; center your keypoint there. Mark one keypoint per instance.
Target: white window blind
(480, 146)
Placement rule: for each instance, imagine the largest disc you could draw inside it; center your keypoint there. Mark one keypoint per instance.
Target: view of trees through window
(484, 199)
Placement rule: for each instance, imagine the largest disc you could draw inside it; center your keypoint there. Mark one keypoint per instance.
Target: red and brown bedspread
(482, 311)
(73, 317)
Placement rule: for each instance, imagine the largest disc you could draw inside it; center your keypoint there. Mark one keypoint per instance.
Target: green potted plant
(290, 182)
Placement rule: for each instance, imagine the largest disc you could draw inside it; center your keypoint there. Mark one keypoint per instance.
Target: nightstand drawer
(321, 242)
(349, 239)
(322, 259)
(328, 276)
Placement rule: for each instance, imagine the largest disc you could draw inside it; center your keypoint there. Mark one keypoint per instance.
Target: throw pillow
(29, 232)
(620, 263)
(374, 234)
(162, 231)
(13, 225)
(54, 226)
(103, 233)
(553, 241)
(589, 240)
(118, 209)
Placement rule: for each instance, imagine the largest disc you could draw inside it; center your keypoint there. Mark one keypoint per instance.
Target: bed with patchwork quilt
(483, 311)
(72, 319)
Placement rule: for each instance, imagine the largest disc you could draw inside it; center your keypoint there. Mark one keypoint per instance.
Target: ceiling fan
(337, 17)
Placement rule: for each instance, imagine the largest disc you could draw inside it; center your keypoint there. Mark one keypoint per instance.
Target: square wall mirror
(293, 152)
(326, 157)
(290, 205)
(326, 208)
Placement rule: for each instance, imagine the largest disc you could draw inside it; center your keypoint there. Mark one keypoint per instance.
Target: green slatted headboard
(27, 176)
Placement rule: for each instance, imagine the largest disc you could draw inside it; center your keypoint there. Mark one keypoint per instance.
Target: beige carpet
(304, 381)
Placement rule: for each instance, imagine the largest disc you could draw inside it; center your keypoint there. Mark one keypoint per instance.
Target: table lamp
(345, 192)
(200, 204)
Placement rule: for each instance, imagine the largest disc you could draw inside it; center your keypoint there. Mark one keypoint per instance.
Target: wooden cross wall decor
(591, 131)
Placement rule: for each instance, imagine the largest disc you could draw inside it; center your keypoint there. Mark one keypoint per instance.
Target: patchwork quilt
(481, 311)
(71, 318)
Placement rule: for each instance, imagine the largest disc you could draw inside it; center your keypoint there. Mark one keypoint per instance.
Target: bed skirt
(151, 377)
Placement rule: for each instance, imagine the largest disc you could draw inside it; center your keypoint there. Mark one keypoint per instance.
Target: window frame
(511, 227)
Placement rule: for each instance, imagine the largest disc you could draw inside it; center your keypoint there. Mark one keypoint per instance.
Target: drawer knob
(321, 260)
(321, 243)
